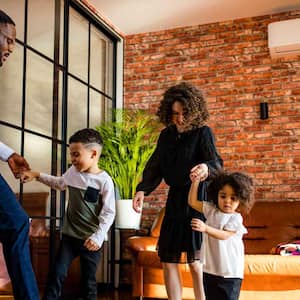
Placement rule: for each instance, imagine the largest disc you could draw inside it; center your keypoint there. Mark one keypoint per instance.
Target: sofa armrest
(141, 243)
(149, 259)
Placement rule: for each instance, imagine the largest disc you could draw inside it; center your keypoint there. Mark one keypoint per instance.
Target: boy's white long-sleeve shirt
(91, 204)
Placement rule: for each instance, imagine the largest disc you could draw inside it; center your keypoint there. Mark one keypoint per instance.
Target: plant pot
(126, 216)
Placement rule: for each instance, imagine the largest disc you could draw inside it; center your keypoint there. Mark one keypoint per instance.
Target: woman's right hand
(138, 200)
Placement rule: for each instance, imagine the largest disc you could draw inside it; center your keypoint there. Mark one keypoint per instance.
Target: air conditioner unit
(284, 38)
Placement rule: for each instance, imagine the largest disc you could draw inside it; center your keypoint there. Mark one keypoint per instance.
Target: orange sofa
(266, 277)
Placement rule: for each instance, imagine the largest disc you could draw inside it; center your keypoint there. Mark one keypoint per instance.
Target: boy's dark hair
(193, 102)
(86, 136)
(241, 183)
(5, 19)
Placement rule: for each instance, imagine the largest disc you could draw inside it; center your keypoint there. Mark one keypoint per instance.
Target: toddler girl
(222, 249)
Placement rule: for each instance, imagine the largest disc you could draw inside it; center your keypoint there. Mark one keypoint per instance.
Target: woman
(185, 145)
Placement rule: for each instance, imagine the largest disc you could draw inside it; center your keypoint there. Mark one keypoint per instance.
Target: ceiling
(138, 16)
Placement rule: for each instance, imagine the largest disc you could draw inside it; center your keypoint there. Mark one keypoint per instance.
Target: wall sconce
(264, 111)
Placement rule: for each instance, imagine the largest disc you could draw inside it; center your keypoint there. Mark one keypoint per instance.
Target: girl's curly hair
(193, 101)
(241, 183)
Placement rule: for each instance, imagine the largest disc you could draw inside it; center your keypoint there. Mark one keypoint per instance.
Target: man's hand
(17, 164)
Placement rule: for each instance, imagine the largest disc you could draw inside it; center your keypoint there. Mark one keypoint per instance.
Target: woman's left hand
(200, 171)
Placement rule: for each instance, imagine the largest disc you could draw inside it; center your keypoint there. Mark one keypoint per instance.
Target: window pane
(15, 9)
(58, 193)
(12, 138)
(37, 151)
(59, 173)
(39, 89)
(11, 88)
(108, 109)
(77, 106)
(78, 45)
(41, 26)
(97, 109)
(98, 64)
(110, 63)
(61, 47)
(60, 105)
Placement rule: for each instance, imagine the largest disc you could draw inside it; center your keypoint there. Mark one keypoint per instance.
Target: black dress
(175, 155)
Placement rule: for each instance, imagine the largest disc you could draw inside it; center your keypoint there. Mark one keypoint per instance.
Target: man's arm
(17, 164)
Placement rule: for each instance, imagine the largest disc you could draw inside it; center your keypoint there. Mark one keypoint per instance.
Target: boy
(89, 215)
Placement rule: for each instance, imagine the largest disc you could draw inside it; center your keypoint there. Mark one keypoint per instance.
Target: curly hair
(241, 183)
(193, 101)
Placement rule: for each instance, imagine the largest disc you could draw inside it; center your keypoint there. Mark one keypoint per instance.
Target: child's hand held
(27, 176)
(195, 177)
(200, 172)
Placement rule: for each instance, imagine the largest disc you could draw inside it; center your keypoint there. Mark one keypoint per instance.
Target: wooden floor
(104, 293)
(115, 294)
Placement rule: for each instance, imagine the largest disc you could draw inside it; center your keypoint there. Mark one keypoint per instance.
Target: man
(7, 36)
(14, 222)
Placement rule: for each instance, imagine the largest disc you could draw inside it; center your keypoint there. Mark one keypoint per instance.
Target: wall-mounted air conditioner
(284, 38)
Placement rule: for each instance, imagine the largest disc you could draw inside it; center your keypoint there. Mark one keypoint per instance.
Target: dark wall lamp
(264, 111)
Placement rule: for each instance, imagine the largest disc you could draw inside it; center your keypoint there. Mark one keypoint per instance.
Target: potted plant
(129, 141)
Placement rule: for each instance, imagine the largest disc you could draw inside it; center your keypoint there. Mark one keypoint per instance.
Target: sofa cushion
(271, 223)
(272, 265)
(270, 295)
(271, 272)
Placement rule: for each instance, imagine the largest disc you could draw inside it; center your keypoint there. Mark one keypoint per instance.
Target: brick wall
(231, 63)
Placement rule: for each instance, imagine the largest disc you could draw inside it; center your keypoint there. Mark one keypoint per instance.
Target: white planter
(126, 216)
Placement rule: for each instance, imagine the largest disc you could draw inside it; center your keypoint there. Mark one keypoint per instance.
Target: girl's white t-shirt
(223, 257)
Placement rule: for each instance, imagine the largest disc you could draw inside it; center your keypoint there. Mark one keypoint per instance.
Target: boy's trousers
(69, 249)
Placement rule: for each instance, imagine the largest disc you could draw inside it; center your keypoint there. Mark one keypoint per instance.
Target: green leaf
(129, 141)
